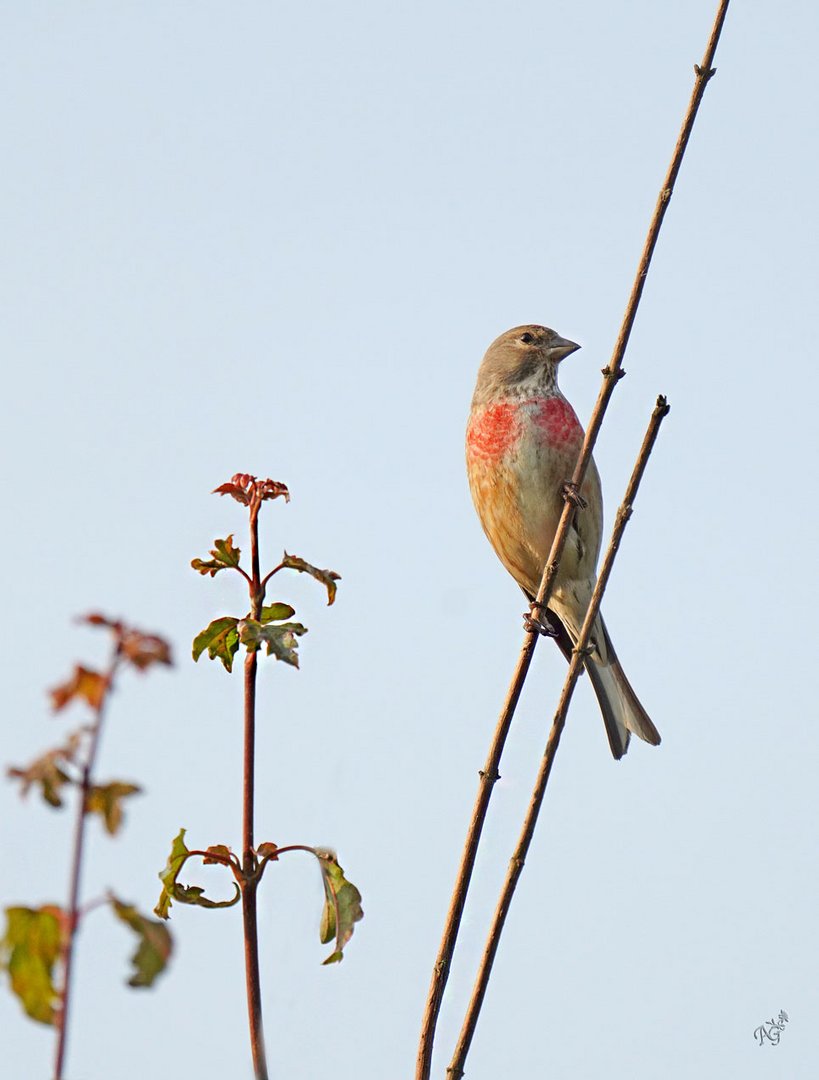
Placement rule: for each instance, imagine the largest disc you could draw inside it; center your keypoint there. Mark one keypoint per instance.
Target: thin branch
(456, 1068)
(244, 574)
(78, 847)
(611, 376)
(270, 574)
(231, 862)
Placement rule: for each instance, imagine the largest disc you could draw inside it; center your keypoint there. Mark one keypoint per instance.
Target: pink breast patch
(493, 430)
(558, 420)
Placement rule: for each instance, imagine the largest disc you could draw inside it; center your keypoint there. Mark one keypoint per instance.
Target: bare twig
(74, 910)
(249, 862)
(611, 376)
(455, 1070)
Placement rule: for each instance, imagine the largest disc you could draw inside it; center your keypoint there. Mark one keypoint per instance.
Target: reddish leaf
(248, 489)
(144, 650)
(96, 619)
(268, 851)
(221, 854)
(48, 770)
(84, 683)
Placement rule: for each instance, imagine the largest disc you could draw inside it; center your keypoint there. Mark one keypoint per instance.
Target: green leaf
(47, 773)
(29, 950)
(276, 612)
(221, 639)
(280, 638)
(154, 946)
(342, 906)
(184, 894)
(328, 578)
(106, 800)
(225, 557)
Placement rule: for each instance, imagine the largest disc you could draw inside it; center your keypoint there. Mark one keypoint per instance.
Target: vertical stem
(76, 872)
(251, 936)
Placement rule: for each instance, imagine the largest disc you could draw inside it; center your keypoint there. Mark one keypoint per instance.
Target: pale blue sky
(277, 238)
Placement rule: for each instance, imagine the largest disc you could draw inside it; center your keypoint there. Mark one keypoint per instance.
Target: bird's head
(523, 360)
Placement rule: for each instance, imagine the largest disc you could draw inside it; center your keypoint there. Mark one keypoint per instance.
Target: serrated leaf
(48, 770)
(155, 943)
(90, 686)
(140, 649)
(30, 949)
(328, 578)
(280, 638)
(144, 650)
(218, 853)
(96, 618)
(247, 489)
(221, 639)
(225, 556)
(184, 894)
(106, 800)
(342, 906)
(276, 612)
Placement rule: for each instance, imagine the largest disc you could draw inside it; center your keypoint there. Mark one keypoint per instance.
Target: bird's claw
(538, 624)
(571, 493)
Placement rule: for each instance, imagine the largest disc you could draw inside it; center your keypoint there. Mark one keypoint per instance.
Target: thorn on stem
(483, 775)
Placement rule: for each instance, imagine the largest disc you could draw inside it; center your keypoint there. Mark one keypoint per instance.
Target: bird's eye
(527, 338)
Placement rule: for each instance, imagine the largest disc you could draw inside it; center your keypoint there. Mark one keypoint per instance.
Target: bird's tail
(622, 712)
(621, 708)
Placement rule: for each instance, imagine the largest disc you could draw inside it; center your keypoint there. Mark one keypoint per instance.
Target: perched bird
(522, 444)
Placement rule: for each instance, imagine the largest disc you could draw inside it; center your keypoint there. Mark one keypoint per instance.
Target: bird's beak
(560, 348)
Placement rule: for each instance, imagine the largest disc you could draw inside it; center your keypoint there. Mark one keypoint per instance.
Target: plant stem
(250, 885)
(611, 376)
(456, 1068)
(78, 847)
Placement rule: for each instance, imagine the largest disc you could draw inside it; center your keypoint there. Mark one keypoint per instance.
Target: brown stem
(456, 1068)
(251, 936)
(74, 910)
(611, 375)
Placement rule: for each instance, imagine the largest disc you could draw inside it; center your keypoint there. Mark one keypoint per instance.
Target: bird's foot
(571, 493)
(535, 621)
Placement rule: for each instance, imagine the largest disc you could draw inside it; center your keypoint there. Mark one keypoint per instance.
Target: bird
(523, 441)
